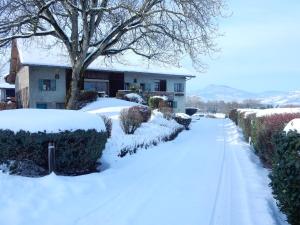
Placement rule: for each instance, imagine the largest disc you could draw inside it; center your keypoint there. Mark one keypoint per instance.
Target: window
(178, 87)
(127, 86)
(156, 86)
(41, 105)
(147, 87)
(47, 85)
(96, 85)
(174, 104)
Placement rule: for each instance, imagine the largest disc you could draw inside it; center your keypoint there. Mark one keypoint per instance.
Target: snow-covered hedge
(157, 130)
(25, 134)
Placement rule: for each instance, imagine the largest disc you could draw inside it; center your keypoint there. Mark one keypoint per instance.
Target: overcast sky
(260, 47)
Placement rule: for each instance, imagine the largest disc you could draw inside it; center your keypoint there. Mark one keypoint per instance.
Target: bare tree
(161, 30)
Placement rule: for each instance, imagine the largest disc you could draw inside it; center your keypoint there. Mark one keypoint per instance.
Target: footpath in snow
(206, 176)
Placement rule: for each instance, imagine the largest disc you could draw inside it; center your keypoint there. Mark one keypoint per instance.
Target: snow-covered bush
(183, 119)
(157, 130)
(133, 97)
(108, 124)
(285, 175)
(130, 120)
(79, 139)
(76, 152)
(145, 112)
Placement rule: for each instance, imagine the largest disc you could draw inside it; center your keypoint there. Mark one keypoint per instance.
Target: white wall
(48, 97)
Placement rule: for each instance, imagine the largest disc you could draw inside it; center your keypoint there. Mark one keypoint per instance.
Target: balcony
(147, 94)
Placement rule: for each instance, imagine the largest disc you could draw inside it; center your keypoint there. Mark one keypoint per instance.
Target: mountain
(225, 93)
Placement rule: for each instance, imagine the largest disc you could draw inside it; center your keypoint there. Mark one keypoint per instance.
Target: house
(7, 91)
(41, 76)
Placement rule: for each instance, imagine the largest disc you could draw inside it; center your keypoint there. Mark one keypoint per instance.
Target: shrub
(108, 124)
(154, 101)
(133, 97)
(76, 152)
(233, 115)
(86, 97)
(285, 176)
(245, 122)
(264, 128)
(130, 120)
(166, 110)
(183, 119)
(145, 112)
(7, 105)
(190, 111)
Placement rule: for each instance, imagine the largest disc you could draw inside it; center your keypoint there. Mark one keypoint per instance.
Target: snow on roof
(293, 125)
(272, 111)
(49, 120)
(47, 52)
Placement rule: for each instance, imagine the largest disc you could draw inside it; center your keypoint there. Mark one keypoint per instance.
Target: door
(163, 85)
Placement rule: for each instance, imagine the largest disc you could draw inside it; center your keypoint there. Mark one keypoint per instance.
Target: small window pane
(47, 85)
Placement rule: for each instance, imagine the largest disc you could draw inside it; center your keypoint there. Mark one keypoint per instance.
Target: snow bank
(48, 120)
(108, 106)
(293, 125)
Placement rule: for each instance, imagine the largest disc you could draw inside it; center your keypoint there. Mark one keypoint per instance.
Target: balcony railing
(147, 94)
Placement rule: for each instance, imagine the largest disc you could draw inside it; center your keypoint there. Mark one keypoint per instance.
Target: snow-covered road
(207, 176)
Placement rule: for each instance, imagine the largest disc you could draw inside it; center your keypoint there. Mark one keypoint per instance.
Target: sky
(260, 48)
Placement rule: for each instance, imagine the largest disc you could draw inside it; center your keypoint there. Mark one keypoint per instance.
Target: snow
(272, 111)
(183, 115)
(165, 98)
(46, 51)
(248, 112)
(135, 96)
(293, 125)
(148, 134)
(208, 175)
(48, 120)
(108, 106)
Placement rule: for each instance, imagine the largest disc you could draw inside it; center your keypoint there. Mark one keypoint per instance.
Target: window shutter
(53, 85)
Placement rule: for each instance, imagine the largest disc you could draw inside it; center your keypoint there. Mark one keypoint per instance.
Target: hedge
(76, 152)
(285, 176)
(263, 131)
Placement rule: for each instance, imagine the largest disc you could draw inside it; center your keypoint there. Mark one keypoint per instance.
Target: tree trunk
(73, 94)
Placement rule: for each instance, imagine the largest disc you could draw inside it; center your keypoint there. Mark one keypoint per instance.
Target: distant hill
(228, 94)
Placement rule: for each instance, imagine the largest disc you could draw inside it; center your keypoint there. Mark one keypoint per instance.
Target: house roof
(43, 51)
